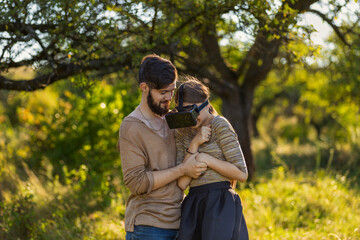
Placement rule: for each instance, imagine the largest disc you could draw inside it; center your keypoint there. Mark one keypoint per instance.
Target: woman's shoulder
(220, 123)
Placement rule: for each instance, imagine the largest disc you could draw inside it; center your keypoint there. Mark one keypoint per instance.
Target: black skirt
(212, 212)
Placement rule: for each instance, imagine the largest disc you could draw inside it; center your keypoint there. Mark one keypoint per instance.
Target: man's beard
(156, 108)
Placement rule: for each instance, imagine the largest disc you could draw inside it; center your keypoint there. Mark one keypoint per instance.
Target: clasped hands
(196, 165)
(198, 162)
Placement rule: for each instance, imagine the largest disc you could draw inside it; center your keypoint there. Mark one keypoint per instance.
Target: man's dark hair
(157, 72)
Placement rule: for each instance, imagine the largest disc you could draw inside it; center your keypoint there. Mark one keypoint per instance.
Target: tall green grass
(285, 205)
(302, 206)
(35, 209)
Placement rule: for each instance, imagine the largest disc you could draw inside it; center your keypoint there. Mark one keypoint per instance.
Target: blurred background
(285, 73)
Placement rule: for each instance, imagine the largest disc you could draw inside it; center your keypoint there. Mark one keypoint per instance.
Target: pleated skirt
(212, 212)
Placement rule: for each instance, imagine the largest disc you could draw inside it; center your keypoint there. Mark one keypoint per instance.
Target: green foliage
(304, 206)
(61, 161)
(17, 217)
(318, 107)
(50, 210)
(72, 128)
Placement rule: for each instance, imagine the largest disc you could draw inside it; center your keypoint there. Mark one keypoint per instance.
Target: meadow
(280, 204)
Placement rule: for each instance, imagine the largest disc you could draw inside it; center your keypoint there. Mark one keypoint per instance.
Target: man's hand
(192, 167)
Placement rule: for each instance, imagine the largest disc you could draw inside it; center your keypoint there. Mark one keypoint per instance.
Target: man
(148, 155)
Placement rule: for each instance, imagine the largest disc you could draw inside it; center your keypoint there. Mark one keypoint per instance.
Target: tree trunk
(254, 120)
(237, 109)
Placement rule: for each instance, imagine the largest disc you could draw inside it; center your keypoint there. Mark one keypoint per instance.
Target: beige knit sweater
(143, 151)
(223, 145)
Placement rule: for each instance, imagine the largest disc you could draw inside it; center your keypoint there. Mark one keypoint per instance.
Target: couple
(158, 164)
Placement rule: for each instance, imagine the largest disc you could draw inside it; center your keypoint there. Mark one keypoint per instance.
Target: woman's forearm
(226, 169)
(183, 182)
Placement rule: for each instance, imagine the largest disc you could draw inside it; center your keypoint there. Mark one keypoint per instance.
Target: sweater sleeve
(229, 144)
(133, 162)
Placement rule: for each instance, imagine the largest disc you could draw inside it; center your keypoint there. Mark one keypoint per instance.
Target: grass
(284, 205)
(34, 209)
(302, 206)
(293, 197)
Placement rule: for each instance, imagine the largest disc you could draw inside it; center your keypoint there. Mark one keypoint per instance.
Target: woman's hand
(204, 158)
(203, 135)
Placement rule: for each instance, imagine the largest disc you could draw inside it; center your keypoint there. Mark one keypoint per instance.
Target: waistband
(210, 186)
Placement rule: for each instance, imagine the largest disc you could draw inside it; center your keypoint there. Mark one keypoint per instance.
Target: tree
(92, 38)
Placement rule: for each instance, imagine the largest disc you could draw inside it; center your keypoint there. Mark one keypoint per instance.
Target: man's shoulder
(130, 124)
(131, 118)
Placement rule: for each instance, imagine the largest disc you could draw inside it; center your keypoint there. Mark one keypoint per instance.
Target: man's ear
(144, 87)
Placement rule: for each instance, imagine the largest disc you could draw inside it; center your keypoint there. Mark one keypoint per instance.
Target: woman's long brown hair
(194, 91)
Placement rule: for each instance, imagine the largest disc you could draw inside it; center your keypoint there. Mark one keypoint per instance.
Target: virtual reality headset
(181, 116)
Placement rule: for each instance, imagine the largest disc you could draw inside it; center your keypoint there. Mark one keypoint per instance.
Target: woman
(212, 210)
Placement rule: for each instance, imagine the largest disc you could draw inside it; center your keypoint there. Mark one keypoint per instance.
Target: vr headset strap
(181, 97)
(204, 104)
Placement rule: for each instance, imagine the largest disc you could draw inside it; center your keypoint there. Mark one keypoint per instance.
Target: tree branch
(66, 70)
(12, 27)
(301, 5)
(26, 62)
(331, 23)
(29, 85)
(264, 50)
(45, 50)
(211, 46)
(221, 88)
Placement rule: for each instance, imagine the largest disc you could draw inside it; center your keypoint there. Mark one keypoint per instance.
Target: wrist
(182, 169)
(191, 152)
(193, 148)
